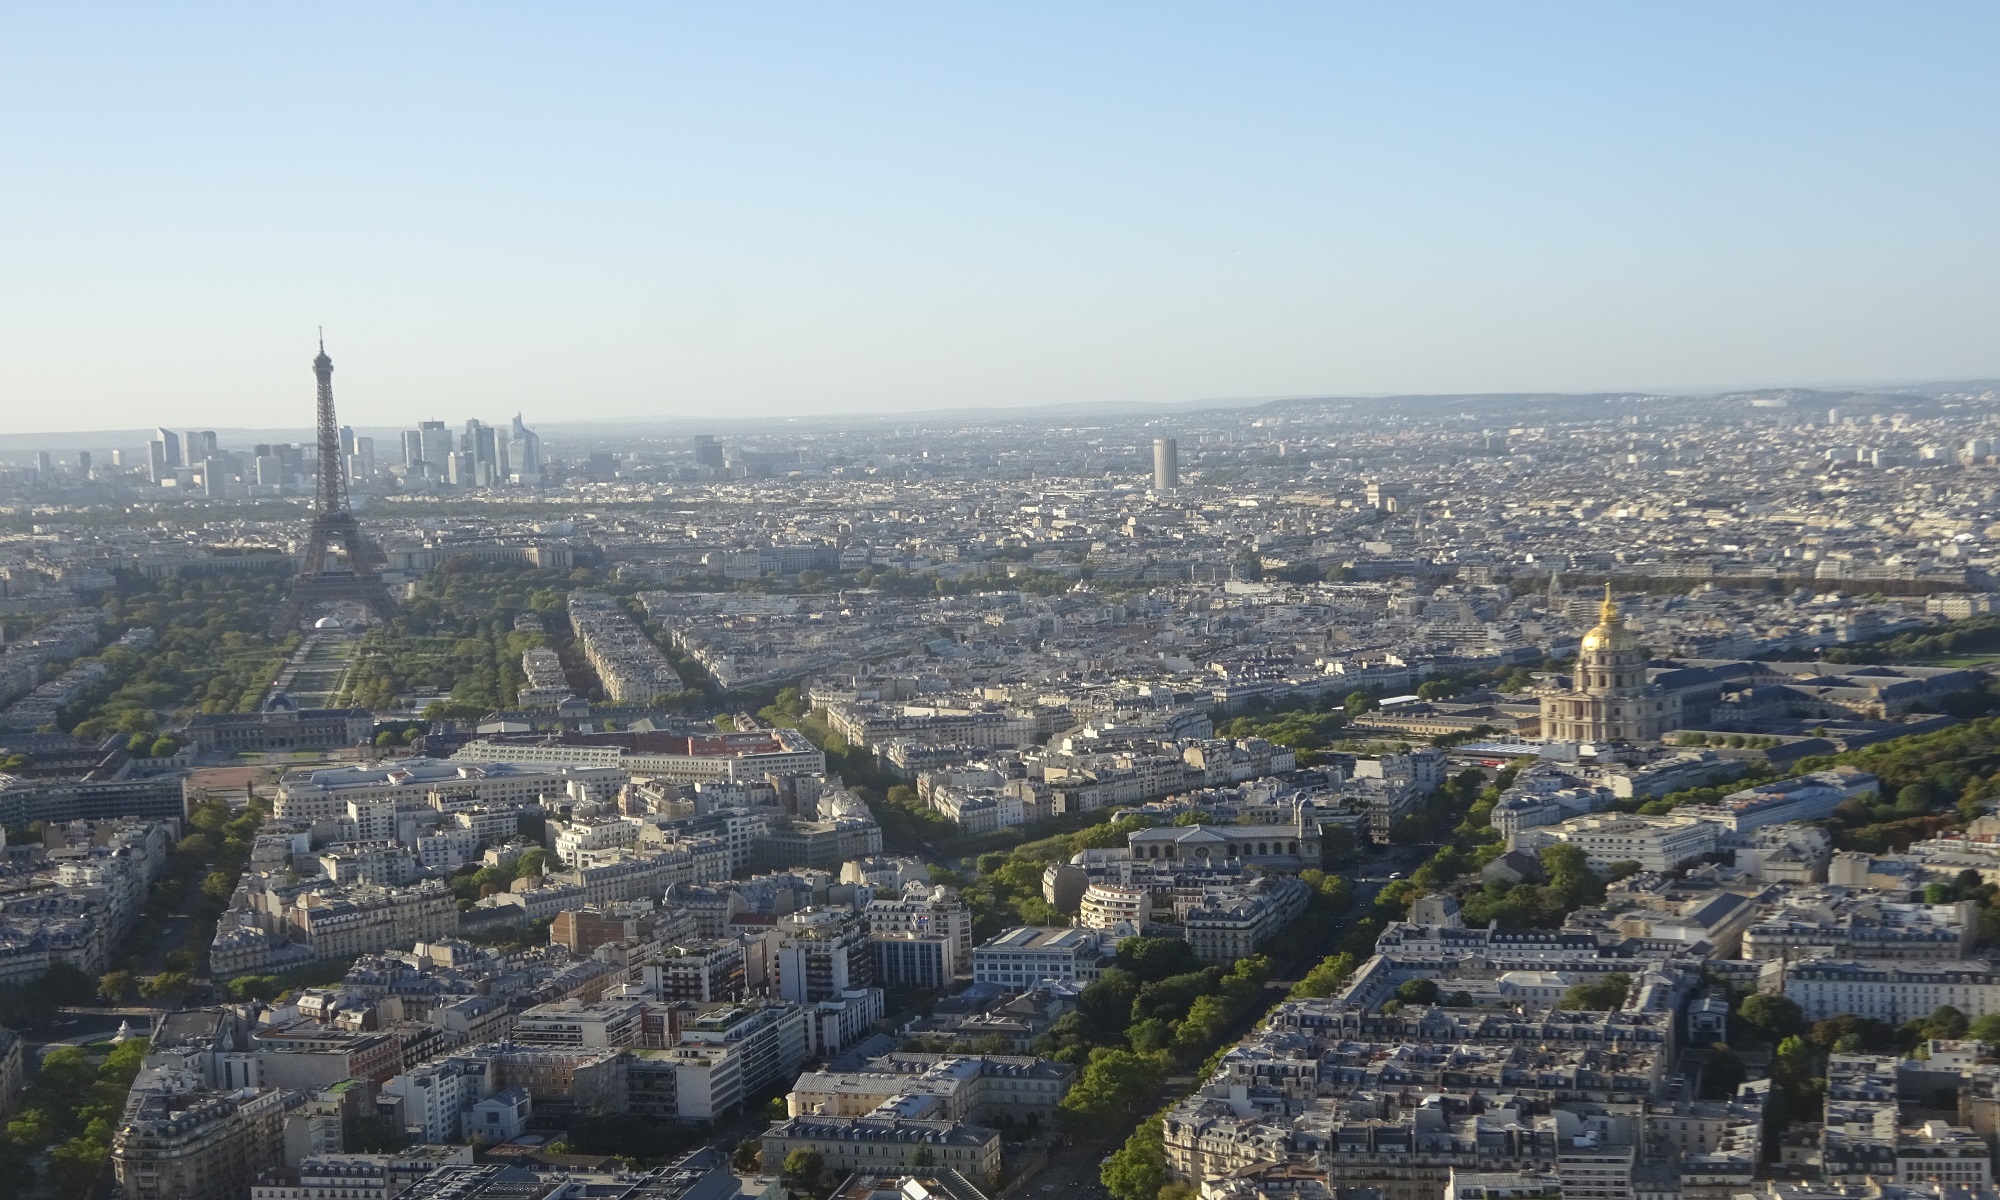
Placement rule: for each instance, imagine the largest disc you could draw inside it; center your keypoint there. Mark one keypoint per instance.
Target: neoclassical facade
(1608, 699)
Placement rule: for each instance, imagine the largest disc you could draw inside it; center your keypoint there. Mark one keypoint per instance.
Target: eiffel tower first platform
(323, 577)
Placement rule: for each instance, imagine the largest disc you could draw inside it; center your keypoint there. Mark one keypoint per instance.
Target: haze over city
(1118, 602)
(680, 210)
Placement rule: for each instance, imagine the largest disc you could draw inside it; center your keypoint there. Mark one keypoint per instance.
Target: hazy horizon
(564, 426)
(636, 213)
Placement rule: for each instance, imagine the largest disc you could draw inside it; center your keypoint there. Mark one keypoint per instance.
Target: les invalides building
(1608, 699)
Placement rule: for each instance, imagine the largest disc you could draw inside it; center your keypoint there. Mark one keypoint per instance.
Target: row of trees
(1008, 888)
(1158, 1009)
(213, 652)
(471, 883)
(1159, 997)
(456, 634)
(1476, 797)
(1975, 635)
(1305, 731)
(70, 1110)
(1733, 741)
(26, 1004)
(1568, 884)
(201, 875)
(476, 661)
(908, 825)
(152, 745)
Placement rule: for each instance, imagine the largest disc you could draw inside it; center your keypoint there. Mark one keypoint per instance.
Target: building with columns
(1609, 699)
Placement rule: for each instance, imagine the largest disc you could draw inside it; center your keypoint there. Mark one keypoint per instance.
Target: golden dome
(1609, 633)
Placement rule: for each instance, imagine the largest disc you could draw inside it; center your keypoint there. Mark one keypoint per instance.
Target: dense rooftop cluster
(909, 808)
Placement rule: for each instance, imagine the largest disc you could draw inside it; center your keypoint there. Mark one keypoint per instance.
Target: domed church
(1608, 699)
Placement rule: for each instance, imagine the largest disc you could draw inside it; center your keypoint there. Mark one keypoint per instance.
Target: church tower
(1608, 699)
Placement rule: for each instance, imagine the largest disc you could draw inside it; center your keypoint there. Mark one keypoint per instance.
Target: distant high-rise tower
(169, 443)
(483, 445)
(361, 460)
(215, 475)
(1166, 464)
(322, 578)
(525, 449)
(438, 447)
(707, 451)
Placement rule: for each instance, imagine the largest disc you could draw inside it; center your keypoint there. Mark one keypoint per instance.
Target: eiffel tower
(352, 575)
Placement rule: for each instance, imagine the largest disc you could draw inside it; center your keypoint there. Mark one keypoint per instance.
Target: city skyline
(14, 441)
(1111, 602)
(855, 211)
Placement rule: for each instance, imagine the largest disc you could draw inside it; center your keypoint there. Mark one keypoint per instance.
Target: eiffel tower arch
(340, 562)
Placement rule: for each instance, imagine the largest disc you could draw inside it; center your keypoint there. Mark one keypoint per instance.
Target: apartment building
(1895, 991)
(1026, 955)
(436, 1095)
(367, 918)
(1655, 843)
(548, 683)
(981, 1088)
(769, 1040)
(307, 1054)
(823, 953)
(631, 666)
(743, 756)
(181, 1141)
(926, 910)
(702, 972)
(447, 785)
(576, 842)
(879, 1144)
(1120, 909)
(690, 1082)
(1800, 798)
(914, 960)
(839, 1021)
(1838, 923)
(577, 1025)
(1235, 922)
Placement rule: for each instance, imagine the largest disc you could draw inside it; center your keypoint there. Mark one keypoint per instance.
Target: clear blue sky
(614, 210)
